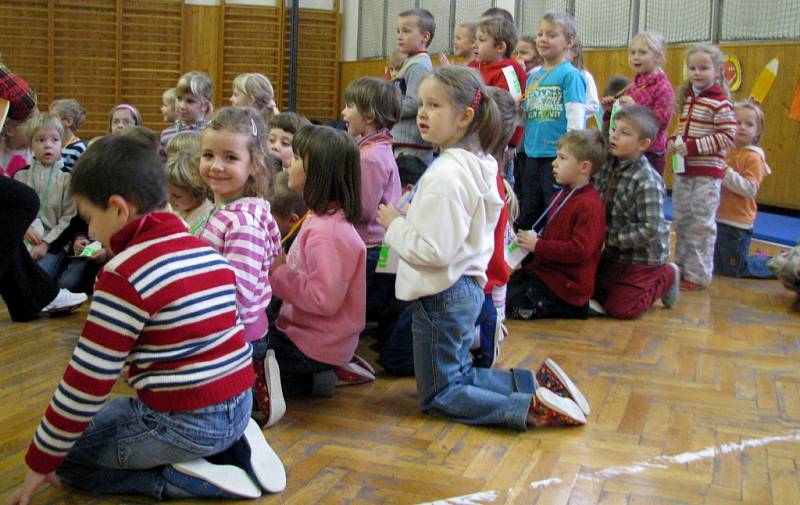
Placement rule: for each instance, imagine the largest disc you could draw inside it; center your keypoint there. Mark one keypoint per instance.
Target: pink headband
(130, 108)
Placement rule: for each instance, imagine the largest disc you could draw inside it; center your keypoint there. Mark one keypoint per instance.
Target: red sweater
(492, 74)
(497, 272)
(568, 252)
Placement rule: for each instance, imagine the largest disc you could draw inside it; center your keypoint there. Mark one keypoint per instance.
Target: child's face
(357, 125)
(642, 59)
(46, 145)
(625, 141)
(551, 42)
(14, 134)
(190, 108)
(225, 163)
(122, 119)
(567, 169)
(239, 99)
(486, 49)
(746, 127)
(182, 200)
(168, 112)
(103, 223)
(410, 38)
(280, 144)
(297, 174)
(462, 42)
(439, 121)
(701, 69)
(527, 55)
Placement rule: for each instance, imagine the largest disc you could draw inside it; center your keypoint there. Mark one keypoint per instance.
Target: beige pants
(694, 207)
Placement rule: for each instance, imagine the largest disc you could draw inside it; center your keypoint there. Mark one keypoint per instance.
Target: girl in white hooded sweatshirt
(444, 243)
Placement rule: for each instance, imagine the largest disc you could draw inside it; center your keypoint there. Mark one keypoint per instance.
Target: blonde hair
(462, 86)
(198, 84)
(716, 60)
(577, 54)
(655, 42)
(511, 200)
(586, 145)
(137, 117)
(563, 19)
(40, 121)
(257, 87)
(509, 118)
(182, 172)
(69, 108)
(501, 30)
(760, 119)
(249, 122)
(191, 142)
(472, 28)
(168, 97)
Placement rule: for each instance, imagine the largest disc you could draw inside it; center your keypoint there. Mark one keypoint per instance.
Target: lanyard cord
(563, 202)
(46, 190)
(294, 228)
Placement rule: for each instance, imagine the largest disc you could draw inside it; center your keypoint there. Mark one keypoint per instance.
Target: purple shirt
(380, 184)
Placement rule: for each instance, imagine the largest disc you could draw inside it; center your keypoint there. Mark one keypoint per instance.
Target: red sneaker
(269, 394)
(552, 377)
(691, 286)
(358, 371)
(549, 409)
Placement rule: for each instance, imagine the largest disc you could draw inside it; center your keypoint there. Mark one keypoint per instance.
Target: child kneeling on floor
(633, 271)
(442, 269)
(559, 281)
(150, 322)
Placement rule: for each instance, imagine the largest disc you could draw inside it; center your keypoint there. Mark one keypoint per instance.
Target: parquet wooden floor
(695, 405)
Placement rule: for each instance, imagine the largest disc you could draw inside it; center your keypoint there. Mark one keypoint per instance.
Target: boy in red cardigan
(559, 281)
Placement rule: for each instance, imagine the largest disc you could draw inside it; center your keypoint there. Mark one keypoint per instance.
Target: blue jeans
(448, 385)
(53, 263)
(127, 445)
(731, 254)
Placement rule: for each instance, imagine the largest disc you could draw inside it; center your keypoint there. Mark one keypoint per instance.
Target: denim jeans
(127, 445)
(448, 385)
(731, 254)
(53, 263)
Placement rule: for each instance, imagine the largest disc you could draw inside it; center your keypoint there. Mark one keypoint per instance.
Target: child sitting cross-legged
(633, 271)
(559, 281)
(150, 323)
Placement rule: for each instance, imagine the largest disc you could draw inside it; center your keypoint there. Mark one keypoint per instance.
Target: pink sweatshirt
(323, 288)
(245, 233)
(654, 91)
(380, 183)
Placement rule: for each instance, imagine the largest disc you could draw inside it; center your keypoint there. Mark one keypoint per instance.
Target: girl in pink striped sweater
(707, 128)
(235, 166)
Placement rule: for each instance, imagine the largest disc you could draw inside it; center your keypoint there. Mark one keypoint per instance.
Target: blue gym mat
(776, 228)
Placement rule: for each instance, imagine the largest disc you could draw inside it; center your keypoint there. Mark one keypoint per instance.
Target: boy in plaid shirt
(634, 272)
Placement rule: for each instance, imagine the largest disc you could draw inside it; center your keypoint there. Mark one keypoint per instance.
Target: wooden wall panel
(781, 140)
(24, 42)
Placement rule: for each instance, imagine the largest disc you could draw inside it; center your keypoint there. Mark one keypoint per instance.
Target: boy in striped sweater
(164, 318)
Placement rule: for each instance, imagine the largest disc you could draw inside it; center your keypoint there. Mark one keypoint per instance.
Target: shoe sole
(676, 282)
(272, 373)
(228, 478)
(266, 465)
(563, 406)
(63, 310)
(570, 386)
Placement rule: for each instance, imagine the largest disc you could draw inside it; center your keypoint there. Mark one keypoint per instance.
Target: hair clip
(271, 104)
(477, 100)
(253, 126)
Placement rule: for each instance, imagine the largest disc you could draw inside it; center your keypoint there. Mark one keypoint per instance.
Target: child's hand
(387, 214)
(38, 251)
(32, 236)
(670, 146)
(80, 244)
(527, 239)
(607, 102)
(276, 262)
(680, 149)
(32, 482)
(626, 100)
(101, 256)
(443, 59)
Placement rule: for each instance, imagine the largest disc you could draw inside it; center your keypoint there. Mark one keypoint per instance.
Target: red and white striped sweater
(164, 308)
(708, 127)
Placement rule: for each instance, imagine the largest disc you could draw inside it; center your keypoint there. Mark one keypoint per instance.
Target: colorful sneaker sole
(557, 410)
(551, 376)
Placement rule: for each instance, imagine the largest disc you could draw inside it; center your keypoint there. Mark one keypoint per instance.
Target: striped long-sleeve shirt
(246, 234)
(164, 308)
(708, 127)
(71, 152)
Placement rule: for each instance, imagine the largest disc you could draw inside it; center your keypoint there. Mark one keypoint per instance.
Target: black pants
(24, 286)
(300, 375)
(530, 298)
(537, 186)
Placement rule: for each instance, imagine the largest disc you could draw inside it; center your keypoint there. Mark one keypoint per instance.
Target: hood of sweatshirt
(483, 169)
(254, 206)
(760, 152)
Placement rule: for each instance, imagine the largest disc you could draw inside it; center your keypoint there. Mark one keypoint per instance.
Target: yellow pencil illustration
(765, 80)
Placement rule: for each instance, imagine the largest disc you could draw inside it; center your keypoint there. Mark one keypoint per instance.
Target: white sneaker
(65, 301)
(595, 309)
(272, 374)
